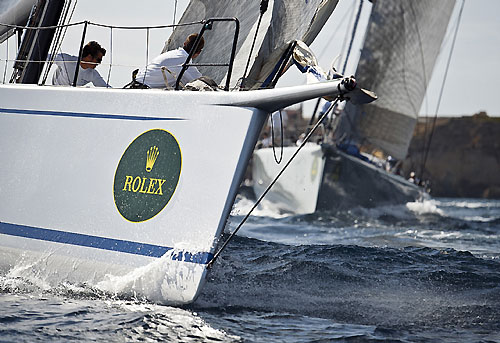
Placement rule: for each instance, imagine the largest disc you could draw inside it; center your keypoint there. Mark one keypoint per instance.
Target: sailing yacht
(356, 164)
(129, 190)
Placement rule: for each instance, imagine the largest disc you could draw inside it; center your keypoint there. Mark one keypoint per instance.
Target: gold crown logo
(152, 155)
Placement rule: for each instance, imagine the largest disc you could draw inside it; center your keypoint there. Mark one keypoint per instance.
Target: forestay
(13, 12)
(284, 21)
(401, 46)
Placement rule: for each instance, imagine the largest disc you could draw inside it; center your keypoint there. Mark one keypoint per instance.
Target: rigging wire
(58, 31)
(427, 123)
(175, 12)
(344, 42)
(263, 9)
(334, 33)
(403, 73)
(356, 22)
(417, 29)
(424, 71)
(226, 242)
(353, 34)
(426, 153)
(60, 38)
(272, 134)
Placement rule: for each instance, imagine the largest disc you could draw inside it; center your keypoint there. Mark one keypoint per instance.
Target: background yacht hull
(321, 178)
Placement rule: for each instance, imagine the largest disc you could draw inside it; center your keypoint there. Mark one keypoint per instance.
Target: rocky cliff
(463, 158)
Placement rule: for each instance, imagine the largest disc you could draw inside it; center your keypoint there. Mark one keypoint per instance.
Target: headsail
(284, 21)
(401, 46)
(14, 12)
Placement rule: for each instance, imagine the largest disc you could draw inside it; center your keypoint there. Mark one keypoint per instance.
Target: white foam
(474, 203)
(170, 319)
(425, 206)
(163, 281)
(26, 273)
(265, 209)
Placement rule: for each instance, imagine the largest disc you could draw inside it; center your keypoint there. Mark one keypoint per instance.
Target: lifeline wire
(327, 112)
(110, 56)
(6, 61)
(147, 57)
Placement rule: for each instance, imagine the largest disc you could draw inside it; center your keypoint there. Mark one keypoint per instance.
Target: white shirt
(65, 73)
(172, 60)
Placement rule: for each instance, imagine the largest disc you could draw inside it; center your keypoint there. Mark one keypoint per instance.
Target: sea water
(421, 272)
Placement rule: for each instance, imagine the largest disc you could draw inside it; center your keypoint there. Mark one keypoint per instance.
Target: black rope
(441, 92)
(263, 9)
(209, 264)
(272, 135)
(313, 116)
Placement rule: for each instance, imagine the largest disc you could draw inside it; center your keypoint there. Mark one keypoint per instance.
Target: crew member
(66, 66)
(163, 70)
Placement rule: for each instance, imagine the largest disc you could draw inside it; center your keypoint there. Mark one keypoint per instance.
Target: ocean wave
(363, 285)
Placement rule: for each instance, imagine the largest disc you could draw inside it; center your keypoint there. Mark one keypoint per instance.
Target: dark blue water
(424, 272)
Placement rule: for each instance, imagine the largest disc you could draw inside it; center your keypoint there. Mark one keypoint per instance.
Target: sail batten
(401, 46)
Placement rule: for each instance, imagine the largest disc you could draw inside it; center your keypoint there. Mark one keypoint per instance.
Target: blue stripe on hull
(82, 115)
(103, 243)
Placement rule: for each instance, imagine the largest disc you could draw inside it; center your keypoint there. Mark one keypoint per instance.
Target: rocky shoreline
(463, 158)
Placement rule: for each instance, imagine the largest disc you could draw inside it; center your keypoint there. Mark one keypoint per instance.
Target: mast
(36, 43)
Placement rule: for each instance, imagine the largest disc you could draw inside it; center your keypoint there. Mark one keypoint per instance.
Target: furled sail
(13, 12)
(402, 42)
(284, 21)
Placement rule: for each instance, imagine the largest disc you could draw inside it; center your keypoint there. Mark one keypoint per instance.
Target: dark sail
(402, 42)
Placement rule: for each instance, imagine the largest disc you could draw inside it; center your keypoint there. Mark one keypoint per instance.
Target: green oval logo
(147, 175)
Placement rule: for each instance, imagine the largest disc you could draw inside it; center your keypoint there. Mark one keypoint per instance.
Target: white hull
(296, 191)
(327, 179)
(80, 202)
(60, 149)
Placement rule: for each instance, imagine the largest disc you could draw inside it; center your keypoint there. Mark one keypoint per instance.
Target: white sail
(401, 46)
(283, 22)
(13, 12)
